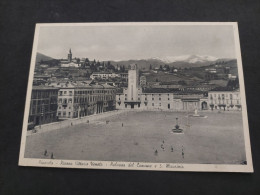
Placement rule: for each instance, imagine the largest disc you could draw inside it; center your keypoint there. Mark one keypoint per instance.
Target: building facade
(224, 100)
(43, 106)
(104, 75)
(133, 97)
(79, 100)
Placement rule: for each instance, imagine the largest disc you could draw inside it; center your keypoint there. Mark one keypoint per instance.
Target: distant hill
(40, 56)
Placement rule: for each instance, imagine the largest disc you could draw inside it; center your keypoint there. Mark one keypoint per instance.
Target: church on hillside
(70, 62)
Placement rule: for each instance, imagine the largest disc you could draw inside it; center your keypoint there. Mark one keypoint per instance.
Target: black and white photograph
(165, 96)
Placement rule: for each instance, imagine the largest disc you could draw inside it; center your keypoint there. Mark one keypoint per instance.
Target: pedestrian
(52, 156)
(45, 153)
(71, 124)
(156, 152)
(122, 124)
(171, 149)
(163, 141)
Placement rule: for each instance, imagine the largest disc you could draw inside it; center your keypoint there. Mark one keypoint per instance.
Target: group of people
(163, 148)
(46, 154)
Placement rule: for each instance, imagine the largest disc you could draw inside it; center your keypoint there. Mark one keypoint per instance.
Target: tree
(123, 68)
(150, 66)
(78, 61)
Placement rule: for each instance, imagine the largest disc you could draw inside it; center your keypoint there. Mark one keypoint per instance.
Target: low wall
(75, 121)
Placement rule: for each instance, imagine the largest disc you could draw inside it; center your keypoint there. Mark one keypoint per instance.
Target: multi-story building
(43, 106)
(104, 75)
(157, 98)
(224, 100)
(124, 76)
(78, 100)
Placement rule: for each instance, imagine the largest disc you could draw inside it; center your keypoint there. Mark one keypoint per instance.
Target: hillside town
(77, 87)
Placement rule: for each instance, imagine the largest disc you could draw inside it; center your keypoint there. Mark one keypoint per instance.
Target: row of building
(136, 97)
(63, 100)
(70, 100)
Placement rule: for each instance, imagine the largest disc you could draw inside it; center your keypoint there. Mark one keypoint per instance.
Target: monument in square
(177, 128)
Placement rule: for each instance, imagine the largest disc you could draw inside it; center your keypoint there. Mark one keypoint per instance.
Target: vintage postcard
(137, 96)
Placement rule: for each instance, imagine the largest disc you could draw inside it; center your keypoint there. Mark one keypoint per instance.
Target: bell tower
(133, 81)
(70, 56)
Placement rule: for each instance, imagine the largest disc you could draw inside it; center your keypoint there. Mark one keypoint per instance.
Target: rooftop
(43, 87)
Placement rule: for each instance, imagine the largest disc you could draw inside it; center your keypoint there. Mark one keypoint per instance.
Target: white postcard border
(137, 165)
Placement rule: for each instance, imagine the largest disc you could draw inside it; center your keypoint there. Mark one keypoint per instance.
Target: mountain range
(176, 61)
(187, 58)
(184, 61)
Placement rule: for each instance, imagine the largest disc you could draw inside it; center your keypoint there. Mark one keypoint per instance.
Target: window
(160, 104)
(152, 98)
(69, 113)
(60, 93)
(125, 105)
(159, 98)
(152, 104)
(65, 92)
(64, 113)
(59, 113)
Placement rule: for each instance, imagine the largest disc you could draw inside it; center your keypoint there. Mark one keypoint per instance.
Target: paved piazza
(216, 139)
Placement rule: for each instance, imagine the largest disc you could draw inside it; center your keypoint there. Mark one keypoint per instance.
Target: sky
(136, 41)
